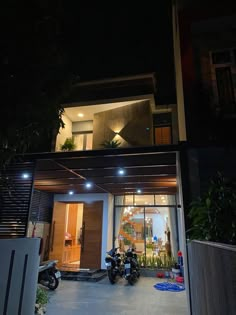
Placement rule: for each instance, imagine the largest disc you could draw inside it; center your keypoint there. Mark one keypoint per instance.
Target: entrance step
(92, 275)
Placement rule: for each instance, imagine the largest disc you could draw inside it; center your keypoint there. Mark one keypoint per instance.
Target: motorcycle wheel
(111, 277)
(53, 282)
(131, 280)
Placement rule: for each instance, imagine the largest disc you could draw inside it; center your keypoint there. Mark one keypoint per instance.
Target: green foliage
(127, 242)
(111, 144)
(36, 78)
(68, 145)
(41, 296)
(213, 217)
(159, 262)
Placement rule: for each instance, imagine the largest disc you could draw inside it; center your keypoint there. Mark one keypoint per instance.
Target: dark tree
(35, 75)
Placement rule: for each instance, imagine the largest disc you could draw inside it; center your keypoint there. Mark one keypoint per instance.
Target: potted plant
(111, 144)
(41, 301)
(213, 217)
(213, 227)
(68, 145)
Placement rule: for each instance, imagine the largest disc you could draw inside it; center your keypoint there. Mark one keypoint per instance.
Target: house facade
(99, 196)
(86, 200)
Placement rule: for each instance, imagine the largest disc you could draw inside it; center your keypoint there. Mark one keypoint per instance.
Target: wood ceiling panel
(153, 173)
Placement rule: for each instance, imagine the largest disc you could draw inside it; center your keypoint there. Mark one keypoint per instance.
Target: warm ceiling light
(81, 115)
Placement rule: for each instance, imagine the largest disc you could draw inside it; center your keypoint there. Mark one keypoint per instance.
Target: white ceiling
(90, 110)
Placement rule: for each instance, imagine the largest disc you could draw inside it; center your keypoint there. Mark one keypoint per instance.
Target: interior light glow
(139, 191)
(80, 115)
(71, 192)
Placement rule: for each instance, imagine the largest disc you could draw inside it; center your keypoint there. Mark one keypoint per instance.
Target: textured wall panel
(15, 197)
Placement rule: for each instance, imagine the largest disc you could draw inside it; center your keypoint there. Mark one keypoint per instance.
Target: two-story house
(83, 202)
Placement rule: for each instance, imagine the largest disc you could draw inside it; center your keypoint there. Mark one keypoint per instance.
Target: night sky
(123, 40)
(99, 41)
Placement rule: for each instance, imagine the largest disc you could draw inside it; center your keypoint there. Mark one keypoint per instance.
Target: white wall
(64, 132)
(107, 222)
(19, 274)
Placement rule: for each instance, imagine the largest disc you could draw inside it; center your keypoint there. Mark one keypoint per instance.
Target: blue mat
(167, 286)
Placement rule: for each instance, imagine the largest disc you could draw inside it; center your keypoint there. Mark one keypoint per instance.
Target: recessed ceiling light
(88, 185)
(139, 191)
(81, 115)
(121, 171)
(25, 175)
(71, 192)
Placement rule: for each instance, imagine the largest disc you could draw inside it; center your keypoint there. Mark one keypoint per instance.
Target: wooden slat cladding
(150, 171)
(41, 206)
(15, 197)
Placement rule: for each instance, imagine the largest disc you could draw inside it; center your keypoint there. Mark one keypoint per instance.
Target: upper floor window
(224, 80)
(162, 128)
(83, 141)
(225, 86)
(221, 57)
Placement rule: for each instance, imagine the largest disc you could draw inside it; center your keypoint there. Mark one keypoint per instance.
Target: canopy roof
(150, 169)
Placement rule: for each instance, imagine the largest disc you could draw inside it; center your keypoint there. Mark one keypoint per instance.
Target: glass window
(165, 200)
(119, 200)
(129, 200)
(152, 231)
(221, 57)
(78, 140)
(144, 199)
(83, 141)
(89, 141)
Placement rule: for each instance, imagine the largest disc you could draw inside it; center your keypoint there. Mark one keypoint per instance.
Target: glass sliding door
(149, 224)
(129, 228)
(156, 221)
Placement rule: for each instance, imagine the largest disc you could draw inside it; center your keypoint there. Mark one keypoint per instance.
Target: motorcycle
(131, 266)
(49, 275)
(114, 265)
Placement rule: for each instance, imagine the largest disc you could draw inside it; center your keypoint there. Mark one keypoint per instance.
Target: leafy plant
(160, 262)
(41, 301)
(213, 217)
(111, 144)
(68, 145)
(41, 296)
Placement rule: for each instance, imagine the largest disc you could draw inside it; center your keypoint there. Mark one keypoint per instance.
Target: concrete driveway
(102, 298)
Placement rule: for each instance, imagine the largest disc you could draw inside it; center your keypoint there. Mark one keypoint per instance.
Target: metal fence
(212, 278)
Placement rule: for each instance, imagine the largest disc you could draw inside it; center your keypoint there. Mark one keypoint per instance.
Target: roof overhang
(150, 169)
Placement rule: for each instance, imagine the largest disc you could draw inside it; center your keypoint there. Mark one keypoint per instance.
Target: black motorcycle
(49, 275)
(131, 266)
(114, 265)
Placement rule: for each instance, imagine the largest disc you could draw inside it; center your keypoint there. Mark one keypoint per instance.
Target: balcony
(130, 123)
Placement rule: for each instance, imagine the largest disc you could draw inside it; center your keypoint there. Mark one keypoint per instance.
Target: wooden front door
(58, 232)
(91, 242)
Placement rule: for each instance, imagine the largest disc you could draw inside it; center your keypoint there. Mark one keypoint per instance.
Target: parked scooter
(49, 275)
(131, 266)
(114, 265)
